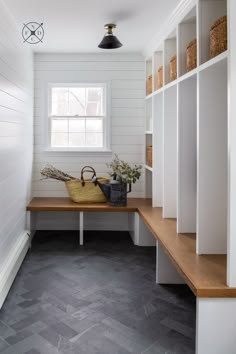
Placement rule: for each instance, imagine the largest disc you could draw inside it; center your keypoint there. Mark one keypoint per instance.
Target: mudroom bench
(176, 262)
(205, 274)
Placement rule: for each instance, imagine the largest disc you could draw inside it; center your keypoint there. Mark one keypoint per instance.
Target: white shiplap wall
(125, 73)
(16, 140)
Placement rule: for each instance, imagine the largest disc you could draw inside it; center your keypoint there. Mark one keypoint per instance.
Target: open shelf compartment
(149, 88)
(170, 50)
(157, 64)
(209, 12)
(187, 32)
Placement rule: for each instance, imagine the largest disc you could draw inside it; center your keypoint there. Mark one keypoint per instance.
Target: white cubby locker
(170, 153)
(170, 49)
(212, 160)
(209, 12)
(187, 155)
(157, 150)
(187, 31)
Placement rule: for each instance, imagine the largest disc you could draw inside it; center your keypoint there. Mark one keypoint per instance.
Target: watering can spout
(106, 189)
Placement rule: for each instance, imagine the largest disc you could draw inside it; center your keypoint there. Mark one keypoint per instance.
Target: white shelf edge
(188, 75)
(148, 132)
(213, 61)
(209, 63)
(170, 84)
(148, 168)
(159, 91)
(149, 96)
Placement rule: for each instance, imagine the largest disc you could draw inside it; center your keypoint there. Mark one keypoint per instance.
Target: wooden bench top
(204, 274)
(65, 204)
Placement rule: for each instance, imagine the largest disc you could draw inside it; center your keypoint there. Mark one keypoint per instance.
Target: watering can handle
(129, 190)
(88, 169)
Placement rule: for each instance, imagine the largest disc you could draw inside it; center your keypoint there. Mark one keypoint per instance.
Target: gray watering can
(115, 192)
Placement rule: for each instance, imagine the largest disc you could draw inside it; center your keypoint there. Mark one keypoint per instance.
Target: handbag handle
(88, 169)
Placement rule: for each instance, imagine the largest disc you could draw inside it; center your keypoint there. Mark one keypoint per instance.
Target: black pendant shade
(110, 41)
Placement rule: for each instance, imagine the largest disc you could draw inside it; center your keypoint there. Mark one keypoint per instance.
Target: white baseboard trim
(12, 265)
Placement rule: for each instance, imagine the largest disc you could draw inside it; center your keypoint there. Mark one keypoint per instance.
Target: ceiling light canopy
(110, 41)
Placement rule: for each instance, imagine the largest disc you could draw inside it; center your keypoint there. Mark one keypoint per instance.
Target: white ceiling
(77, 25)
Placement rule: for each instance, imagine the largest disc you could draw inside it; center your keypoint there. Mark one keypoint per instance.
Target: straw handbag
(85, 190)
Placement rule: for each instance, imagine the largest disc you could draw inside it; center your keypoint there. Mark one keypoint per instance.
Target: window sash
(86, 132)
(105, 125)
(92, 85)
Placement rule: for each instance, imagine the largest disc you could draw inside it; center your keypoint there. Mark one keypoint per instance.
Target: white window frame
(106, 118)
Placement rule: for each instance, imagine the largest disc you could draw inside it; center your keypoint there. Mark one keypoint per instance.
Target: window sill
(78, 151)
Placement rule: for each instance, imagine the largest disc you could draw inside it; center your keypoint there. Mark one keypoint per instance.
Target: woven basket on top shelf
(149, 155)
(149, 85)
(173, 68)
(160, 77)
(218, 36)
(191, 55)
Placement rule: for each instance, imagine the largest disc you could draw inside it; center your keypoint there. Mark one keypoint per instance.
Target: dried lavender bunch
(51, 172)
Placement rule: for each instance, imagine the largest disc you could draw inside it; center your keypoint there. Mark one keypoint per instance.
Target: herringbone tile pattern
(100, 298)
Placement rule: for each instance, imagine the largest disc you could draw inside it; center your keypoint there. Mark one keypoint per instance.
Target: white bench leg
(216, 326)
(139, 232)
(81, 228)
(31, 224)
(165, 270)
(133, 227)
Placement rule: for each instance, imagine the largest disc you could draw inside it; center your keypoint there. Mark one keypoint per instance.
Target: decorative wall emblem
(33, 32)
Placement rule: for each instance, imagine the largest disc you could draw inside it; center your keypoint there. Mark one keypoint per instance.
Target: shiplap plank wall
(126, 74)
(16, 133)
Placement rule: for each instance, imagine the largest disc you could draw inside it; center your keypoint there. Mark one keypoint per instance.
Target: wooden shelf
(204, 274)
(65, 204)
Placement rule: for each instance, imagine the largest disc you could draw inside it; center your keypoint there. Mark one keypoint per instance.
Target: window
(78, 117)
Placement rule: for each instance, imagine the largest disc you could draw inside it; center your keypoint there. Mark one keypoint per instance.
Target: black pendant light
(109, 40)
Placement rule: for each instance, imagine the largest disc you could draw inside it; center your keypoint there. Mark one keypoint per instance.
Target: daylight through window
(77, 116)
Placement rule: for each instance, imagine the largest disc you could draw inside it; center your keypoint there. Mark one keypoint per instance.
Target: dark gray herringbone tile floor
(100, 298)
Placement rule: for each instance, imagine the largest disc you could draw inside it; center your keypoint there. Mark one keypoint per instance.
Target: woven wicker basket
(191, 55)
(160, 77)
(87, 193)
(173, 68)
(218, 37)
(149, 155)
(149, 85)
